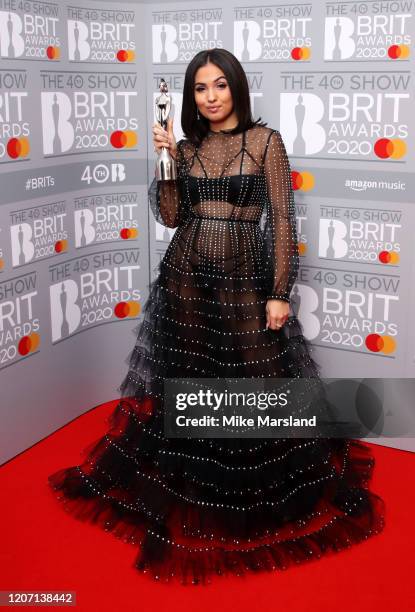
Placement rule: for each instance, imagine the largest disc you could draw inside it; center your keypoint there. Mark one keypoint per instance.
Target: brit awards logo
(14, 116)
(93, 289)
(110, 217)
(86, 112)
(301, 216)
(272, 33)
(368, 31)
(38, 232)
(19, 319)
(178, 36)
(357, 311)
(304, 304)
(30, 35)
(355, 115)
(360, 235)
(101, 36)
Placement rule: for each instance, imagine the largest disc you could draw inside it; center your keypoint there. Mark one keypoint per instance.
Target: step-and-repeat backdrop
(78, 245)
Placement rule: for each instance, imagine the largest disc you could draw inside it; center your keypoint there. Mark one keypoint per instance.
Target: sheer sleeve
(165, 197)
(280, 232)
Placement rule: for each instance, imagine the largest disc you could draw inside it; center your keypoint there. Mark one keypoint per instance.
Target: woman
(220, 306)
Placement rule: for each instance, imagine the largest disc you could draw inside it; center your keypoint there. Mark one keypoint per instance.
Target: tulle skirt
(200, 508)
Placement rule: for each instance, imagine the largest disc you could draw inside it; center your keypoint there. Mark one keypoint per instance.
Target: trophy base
(166, 169)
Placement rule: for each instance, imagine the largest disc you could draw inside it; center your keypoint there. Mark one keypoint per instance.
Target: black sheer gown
(197, 508)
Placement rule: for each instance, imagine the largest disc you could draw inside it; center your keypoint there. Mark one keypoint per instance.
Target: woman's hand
(277, 313)
(164, 138)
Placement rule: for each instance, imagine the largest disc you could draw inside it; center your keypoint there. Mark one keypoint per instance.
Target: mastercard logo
(388, 257)
(123, 139)
(398, 52)
(28, 344)
(18, 147)
(53, 53)
(125, 56)
(301, 53)
(302, 181)
(380, 344)
(61, 246)
(127, 309)
(386, 148)
(302, 248)
(127, 233)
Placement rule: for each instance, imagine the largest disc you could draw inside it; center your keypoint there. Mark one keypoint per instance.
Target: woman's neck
(228, 124)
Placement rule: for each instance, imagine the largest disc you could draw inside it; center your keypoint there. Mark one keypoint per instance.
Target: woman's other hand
(277, 312)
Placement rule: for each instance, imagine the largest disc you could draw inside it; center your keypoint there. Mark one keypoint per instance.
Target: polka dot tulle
(234, 194)
(200, 508)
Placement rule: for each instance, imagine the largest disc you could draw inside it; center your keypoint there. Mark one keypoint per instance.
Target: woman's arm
(280, 228)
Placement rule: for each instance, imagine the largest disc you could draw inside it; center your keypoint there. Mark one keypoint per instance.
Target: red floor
(44, 548)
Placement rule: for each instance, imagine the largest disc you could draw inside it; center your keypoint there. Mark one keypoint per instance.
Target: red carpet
(44, 548)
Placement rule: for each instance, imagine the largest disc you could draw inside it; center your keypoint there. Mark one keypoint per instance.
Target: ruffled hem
(351, 515)
(201, 508)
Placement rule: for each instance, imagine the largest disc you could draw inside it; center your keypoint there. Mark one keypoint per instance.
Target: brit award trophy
(165, 164)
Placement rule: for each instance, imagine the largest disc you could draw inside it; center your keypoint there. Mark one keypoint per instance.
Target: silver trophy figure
(165, 164)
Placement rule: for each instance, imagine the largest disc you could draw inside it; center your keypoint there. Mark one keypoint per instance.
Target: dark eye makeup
(221, 85)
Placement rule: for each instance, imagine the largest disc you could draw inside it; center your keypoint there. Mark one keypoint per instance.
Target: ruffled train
(199, 508)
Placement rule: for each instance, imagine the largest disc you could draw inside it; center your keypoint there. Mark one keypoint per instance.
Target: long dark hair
(196, 129)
